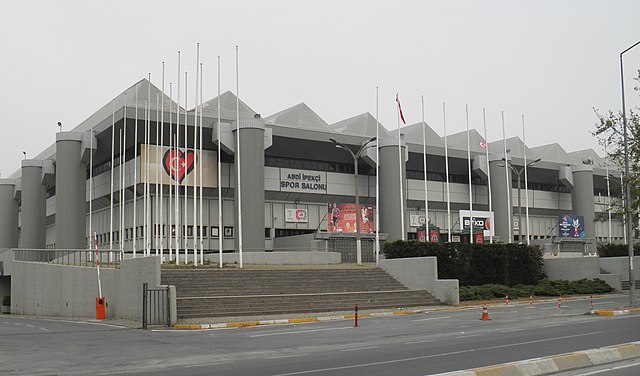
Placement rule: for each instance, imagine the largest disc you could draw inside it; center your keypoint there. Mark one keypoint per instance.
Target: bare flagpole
(170, 185)
(135, 178)
(156, 226)
(124, 172)
(176, 167)
(377, 181)
(486, 152)
(186, 180)
(147, 215)
(424, 166)
(239, 187)
(506, 173)
(200, 227)
(526, 181)
(471, 223)
(400, 170)
(120, 195)
(91, 190)
(145, 202)
(113, 151)
(160, 172)
(220, 227)
(196, 162)
(446, 163)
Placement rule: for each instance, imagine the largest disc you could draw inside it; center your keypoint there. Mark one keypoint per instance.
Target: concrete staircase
(210, 292)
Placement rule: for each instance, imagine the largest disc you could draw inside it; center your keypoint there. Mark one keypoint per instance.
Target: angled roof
(413, 134)
(360, 125)
(516, 148)
(551, 153)
(459, 141)
(581, 156)
(299, 116)
(227, 107)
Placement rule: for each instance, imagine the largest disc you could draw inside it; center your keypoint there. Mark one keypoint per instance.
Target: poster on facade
(170, 165)
(417, 220)
(342, 218)
(296, 215)
(303, 181)
(481, 219)
(571, 226)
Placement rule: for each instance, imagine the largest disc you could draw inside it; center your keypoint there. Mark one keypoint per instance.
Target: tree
(609, 131)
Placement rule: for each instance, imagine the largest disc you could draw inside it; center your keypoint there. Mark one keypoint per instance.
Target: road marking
(417, 342)
(433, 318)
(30, 326)
(300, 331)
(469, 336)
(594, 303)
(362, 365)
(511, 330)
(283, 356)
(361, 348)
(611, 369)
(46, 330)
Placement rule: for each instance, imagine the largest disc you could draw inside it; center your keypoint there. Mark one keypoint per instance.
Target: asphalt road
(417, 344)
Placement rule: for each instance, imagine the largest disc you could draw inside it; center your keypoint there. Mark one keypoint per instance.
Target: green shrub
(617, 250)
(544, 288)
(476, 264)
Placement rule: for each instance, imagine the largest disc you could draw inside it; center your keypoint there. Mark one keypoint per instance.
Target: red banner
(342, 218)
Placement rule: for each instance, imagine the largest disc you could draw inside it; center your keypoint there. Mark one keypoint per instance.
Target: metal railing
(155, 306)
(70, 257)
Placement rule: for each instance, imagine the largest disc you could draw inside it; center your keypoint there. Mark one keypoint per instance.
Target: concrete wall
(68, 291)
(299, 243)
(620, 265)
(421, 273)
(575, 268)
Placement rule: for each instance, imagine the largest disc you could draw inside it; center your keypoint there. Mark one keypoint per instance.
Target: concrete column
(582, 200)
(390, 188)
(502, 210)
(70, 192)
(34, 201)
(252, 143)
(9, 214)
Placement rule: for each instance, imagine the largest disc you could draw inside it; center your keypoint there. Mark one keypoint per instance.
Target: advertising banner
(303, 181)
(166, 166)
(417, 220)
(571, 226)
(481, 219)
(342, 218)
(296, 216)
(434, 235)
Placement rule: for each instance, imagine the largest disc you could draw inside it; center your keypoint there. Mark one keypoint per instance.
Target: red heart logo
(178, 164)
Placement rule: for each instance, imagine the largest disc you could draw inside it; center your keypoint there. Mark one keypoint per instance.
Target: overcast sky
(553, 61)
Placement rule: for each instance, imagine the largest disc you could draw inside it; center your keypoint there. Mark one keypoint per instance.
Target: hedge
(476, 264)
(544, 288)
(617, 250)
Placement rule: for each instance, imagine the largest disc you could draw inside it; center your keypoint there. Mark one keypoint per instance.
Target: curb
(620, 312)
(298, 320)
(557, 363)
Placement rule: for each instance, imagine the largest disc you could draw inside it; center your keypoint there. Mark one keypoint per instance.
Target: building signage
(571, 226)
(417, 220)
(481, 219)
(342, 218)
(296, 215)
(164, 165)
(303, 181)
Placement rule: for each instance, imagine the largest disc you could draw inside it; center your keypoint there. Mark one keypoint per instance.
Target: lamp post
(627, 188)
(356, 157)
(518, 172)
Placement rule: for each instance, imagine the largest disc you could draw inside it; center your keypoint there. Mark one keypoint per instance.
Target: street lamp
(518, 172)
(627, 189)
(60, 126)
(355, 157)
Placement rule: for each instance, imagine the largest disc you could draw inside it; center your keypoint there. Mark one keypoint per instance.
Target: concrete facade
(392, 173)
(34, 196)
(9, 217)
(71, 205)
(583, 200)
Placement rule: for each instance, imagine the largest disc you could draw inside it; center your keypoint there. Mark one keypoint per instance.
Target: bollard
(559, 301)
(530, 300)
(356, 317)
(591, 302)
(506, 299)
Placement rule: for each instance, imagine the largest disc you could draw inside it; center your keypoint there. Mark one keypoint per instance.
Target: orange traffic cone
(485, 314)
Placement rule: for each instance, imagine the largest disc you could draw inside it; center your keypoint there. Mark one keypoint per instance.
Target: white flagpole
(120, 174)
(145, 228)
(220, 227)
(186, 180)
(135, 178)
(177, 186)
(624, 215)
(471, 223)
(123, 161)
(160, 172)
(446, 164)
(424, 160)
(201, 164)
(377, 182)
(400, 169)
(156, 225)
(506, 173)
(526, 181)
(91, 190)
(170, 185)
(113, 151)
(195, 160)
(486, 152)
(147, 214)
(239, 187)
(608, 194)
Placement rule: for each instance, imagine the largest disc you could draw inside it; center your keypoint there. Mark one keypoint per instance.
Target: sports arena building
(291, 174)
